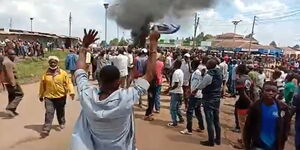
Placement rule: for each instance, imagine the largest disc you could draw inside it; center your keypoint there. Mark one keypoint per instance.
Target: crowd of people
(263, 110)
(22, 48)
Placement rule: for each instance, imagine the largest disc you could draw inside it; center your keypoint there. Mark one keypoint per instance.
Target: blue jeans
(157, 92)
(211, 110)
(174, 107)
(194, 105)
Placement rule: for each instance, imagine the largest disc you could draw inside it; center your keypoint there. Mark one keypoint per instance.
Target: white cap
(187, 55)
(144, 50)
(7, 40)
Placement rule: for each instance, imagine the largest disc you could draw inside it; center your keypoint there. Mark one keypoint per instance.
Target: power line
(294, 13)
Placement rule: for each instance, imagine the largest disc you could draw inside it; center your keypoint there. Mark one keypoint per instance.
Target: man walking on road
(211, 90)
(106, 121)
(8, 75)
(70, 63)
(54, 87)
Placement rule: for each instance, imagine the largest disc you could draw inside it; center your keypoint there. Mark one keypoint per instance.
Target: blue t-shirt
(268, 133)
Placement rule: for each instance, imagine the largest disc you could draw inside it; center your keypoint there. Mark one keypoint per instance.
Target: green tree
(172, 41)
(114, 42)
(207, 37)
(161, 41)
(123, 42)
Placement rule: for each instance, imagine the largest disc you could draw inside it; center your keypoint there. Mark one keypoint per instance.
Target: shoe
(199, 130)
(181, 121)
(217, 142)
(16, 114)
(207, 143)
(10, 113)
(44, 133)
(148, 118)
(172, 125)
(186, 132)
(62, 126)
(157, 112)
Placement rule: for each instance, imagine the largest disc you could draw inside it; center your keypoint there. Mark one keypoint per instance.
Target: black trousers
(52, 105)
(15, 95)
(151, 93)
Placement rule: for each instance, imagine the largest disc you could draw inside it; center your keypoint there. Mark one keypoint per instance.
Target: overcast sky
(52, 16)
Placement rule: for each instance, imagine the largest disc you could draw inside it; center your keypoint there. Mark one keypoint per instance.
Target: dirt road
(22, 132)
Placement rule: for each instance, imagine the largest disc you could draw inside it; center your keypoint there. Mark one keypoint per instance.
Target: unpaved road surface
(22, 132)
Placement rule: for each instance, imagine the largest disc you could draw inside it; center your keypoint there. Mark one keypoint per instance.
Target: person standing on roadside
(268, 122)
(244, 87)
(194, 104)
(70, 63)
(54, 87)
(9, 79)
(211, 87)
(106, 121)
(176, 93)
(187, 71)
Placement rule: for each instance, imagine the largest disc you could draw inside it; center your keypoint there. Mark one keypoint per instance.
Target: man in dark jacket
(268, 122)
(211, 90)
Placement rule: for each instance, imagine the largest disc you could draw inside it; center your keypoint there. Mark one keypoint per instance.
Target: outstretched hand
(89, 38)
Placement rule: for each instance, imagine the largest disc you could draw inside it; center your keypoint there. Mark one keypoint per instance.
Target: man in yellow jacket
(54, 87)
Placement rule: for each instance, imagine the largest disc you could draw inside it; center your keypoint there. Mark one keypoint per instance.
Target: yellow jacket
(56, 86)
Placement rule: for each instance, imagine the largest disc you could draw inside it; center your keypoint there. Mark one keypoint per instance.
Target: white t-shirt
(186, 72)
(168, 62)
(261, 78)
(196, 79)
(177, 77)
(121, 62)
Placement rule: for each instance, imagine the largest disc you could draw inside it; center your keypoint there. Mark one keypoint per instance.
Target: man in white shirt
(106, 121)
(194, 104)
(187, 71)
(176, 92)
(121, 62)
(224, 68)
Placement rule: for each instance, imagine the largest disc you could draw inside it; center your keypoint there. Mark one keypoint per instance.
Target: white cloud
(52, 16)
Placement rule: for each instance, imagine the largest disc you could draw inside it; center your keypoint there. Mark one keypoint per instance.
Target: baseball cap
(144, 50)
(187, 55)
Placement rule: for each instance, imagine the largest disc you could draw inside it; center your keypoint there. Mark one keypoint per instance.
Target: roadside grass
(31, 69)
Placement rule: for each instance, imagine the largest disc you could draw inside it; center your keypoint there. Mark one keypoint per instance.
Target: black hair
(195, 64)
(290, 77)
(242, 69)
(177, 64)
(108, 74)
(276, 74)
(205, 60)
(270, 83)
(211, 64)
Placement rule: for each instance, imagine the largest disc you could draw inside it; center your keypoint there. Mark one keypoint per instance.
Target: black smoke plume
(136, 15)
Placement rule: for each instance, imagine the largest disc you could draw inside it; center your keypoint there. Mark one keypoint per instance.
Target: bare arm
(151, 64)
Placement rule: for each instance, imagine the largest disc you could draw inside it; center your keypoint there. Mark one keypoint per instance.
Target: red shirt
(159, 72)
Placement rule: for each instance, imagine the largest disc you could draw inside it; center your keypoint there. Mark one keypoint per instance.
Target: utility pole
(252, 33)
(10, 23)
(31, 19)
(235, 23)
(70, 24)
(118, 28)
(197, 19)
(106, 7)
